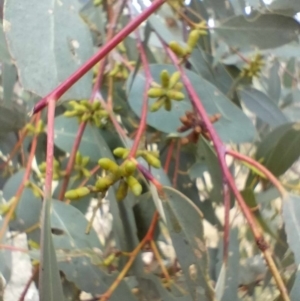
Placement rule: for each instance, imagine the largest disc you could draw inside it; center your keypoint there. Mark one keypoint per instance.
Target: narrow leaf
(50, 288)
(263, 31)
(290, 214)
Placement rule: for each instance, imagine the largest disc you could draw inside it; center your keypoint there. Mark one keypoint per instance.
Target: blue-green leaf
(50, 287)
(262, 106)
(43, 66)
(290, 214)
(280, 149)
(263, 31)
(92, 143)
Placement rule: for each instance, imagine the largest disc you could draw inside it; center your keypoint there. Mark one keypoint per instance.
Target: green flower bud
(78, 158)
(177, 49)
(56, 164)
(176, 95)
(157, 104)
(174, 79)
(156, 92)
(178, 86)
(168, 105)
(164, 78)
(86, 173)
(108, 164)
(85, 117)
(40, 127)
(96, 120)
(122, 190)
(77, 193)
(102, 184)
(85, 161)
(42, 167)
(121, 152)
(96, 105)
(134, 185)
(193, 38)
(86, 103)
(129, 168)
(70, 113)
(152, 160)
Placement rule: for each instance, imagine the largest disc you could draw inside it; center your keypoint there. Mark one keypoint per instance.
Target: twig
(30, 280)
(261, 168)
(148, 237)
(143, 119)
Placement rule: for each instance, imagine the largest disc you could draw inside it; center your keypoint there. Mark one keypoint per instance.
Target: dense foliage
(181, 118)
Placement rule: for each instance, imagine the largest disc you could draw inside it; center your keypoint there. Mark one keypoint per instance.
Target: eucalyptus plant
(183, 117)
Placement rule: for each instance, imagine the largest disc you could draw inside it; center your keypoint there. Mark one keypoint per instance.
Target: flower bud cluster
(88, 112)
(170, 89)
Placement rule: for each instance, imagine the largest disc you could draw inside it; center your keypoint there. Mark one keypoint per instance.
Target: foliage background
(259, 118)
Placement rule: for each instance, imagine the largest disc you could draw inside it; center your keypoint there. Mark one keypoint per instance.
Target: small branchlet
(88, 112)
(254, 66)
(170, 89)
(192, 122)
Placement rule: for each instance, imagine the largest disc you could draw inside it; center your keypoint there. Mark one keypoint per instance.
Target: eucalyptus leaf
(184, 222)
(50, 287)
(43, 66)
(279, 150)
(290, 214)
(262, 106)
(262, 31)
(12, 117)
(92, 144)
(9, 78)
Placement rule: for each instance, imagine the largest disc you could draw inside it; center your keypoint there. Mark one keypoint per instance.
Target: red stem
(70, 81)
(30, 280)
(50, 149)
(143, 120)
(218, 145)
(260, 167)
(71, 161)
(169, 156)
(177, 160)
(226, 222)
(48, 189)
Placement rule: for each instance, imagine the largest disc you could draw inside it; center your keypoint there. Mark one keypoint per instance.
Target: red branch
(143, 120)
